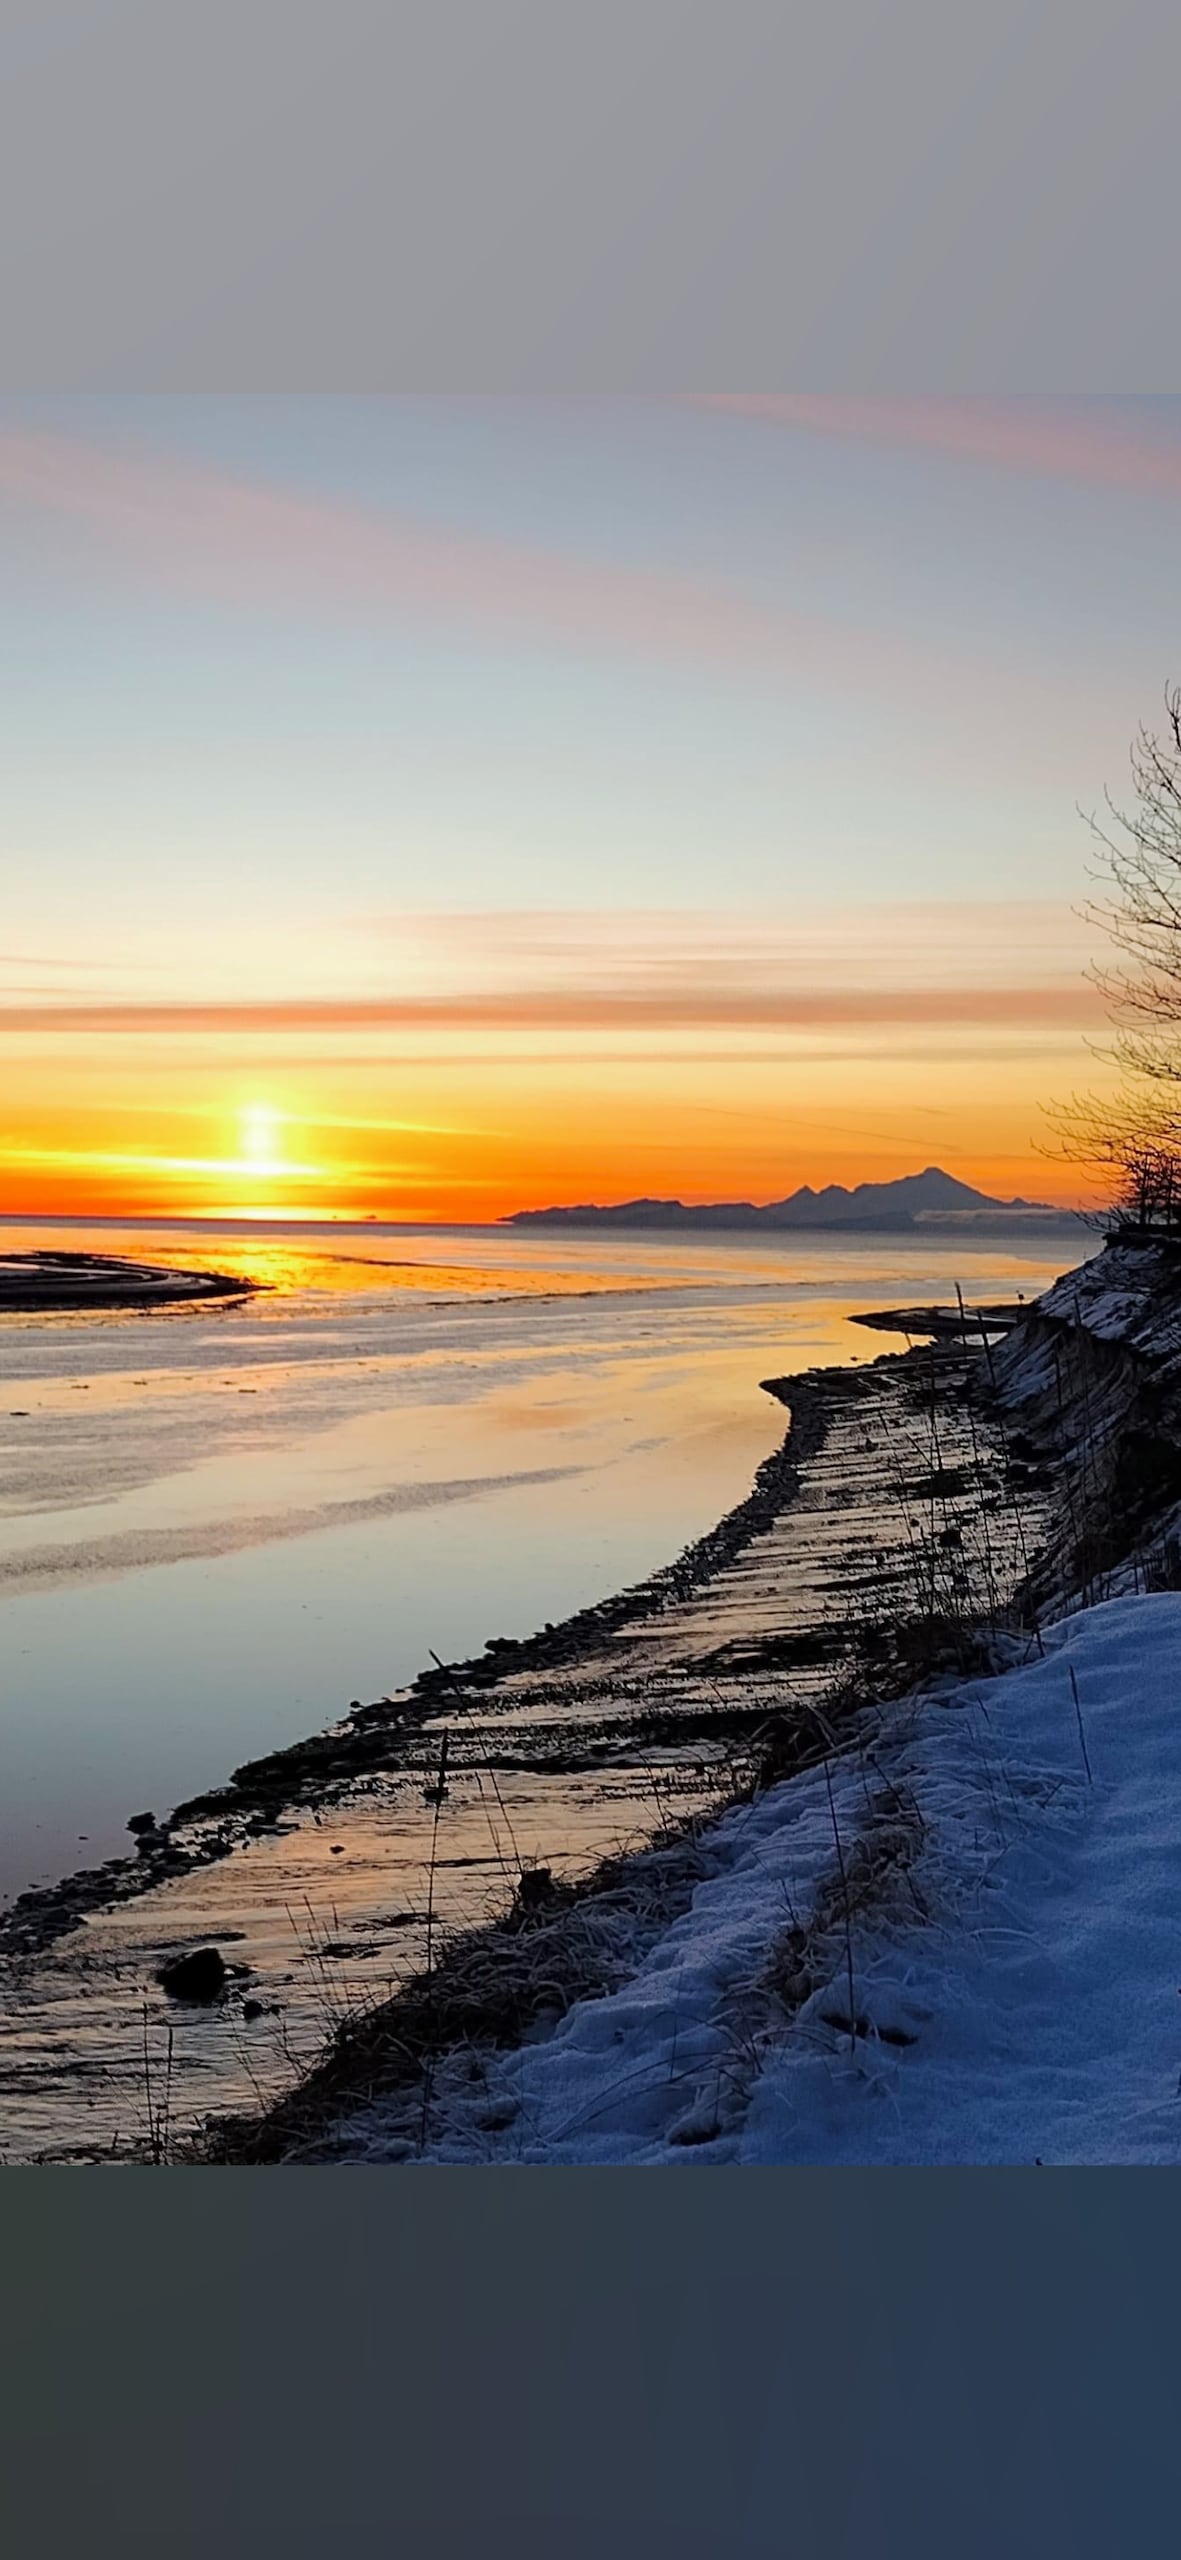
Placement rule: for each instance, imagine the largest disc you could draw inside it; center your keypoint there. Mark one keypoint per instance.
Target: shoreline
(308, 1774)
(311, 1866)
(860, 1928)
(558, 1943)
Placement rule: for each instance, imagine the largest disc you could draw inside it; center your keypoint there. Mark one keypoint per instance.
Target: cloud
(1098, 445)
(254, 542)
(569, 1009)
(1001, 964)
(904, 942)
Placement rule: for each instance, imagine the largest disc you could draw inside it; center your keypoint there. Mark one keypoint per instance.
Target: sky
(425, 808)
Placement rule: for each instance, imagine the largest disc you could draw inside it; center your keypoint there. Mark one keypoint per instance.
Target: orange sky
(562, 1056)
(429, 808)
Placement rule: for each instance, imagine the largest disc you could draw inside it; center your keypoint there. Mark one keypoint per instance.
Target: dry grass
(500, 1984)
(490, 1988)
(861, 1888)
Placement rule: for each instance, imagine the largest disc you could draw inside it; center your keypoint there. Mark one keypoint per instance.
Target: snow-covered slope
(1128, 1297)
(1092, 1377)
(991, 1891)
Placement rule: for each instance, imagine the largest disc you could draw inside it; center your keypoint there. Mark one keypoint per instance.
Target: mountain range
(917, 1199)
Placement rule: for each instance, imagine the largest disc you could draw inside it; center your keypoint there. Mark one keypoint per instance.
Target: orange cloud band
(1065, 1002)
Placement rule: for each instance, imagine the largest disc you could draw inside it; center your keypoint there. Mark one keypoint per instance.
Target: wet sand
(314, 1870)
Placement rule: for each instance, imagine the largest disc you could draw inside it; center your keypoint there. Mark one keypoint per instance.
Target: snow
(1016, 1969)
(1129, 1295)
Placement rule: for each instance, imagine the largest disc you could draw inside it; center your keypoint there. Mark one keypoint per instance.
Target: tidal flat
(634, 1371)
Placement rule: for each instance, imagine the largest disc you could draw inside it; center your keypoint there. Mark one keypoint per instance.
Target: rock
(253, 2009)
(142, 1822)
(198, 1976)
(534, 1887)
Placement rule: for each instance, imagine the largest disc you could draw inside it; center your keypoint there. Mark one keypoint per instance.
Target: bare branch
(1137, 1134)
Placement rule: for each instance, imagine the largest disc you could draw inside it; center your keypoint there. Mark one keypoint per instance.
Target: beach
(597, 1731)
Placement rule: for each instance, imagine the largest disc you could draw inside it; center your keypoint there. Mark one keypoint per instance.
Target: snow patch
(1015, 1983)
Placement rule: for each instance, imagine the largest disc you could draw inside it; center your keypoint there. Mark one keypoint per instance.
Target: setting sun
(260, 1144)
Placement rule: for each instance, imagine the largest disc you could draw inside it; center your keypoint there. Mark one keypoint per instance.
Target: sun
(260, 1145)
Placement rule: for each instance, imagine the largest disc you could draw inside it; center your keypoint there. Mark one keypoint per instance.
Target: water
(219, 1525)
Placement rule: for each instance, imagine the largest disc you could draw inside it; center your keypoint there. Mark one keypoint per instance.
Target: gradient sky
(425, 808)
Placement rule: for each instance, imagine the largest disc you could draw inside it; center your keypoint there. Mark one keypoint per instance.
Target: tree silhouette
(1135, 1133)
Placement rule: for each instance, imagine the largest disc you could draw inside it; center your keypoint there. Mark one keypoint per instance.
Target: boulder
(200, 1975)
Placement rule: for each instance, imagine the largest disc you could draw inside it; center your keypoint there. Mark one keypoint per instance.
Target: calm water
(220, 1525)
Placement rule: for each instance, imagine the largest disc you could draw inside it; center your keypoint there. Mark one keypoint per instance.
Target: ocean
(221, 1524)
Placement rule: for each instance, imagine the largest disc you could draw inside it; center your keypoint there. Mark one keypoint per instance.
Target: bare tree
(1133, 1145)
(1141, 863)
(1135, 1134)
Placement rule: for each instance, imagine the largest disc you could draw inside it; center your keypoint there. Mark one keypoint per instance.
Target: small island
(51, 1283)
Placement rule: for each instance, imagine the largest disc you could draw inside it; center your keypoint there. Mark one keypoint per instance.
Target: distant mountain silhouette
(914, 1200)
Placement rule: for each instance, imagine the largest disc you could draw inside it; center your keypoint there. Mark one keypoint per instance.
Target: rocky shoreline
(308, 1775)
(873, 1544)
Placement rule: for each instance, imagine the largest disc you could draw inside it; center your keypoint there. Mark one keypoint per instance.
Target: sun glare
(260, 1146)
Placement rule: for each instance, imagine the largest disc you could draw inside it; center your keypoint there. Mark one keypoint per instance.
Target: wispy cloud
(259, 544)
(998, 963)
(568, 1009)
(253, 541)
(1100, 444)
(900, 942)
